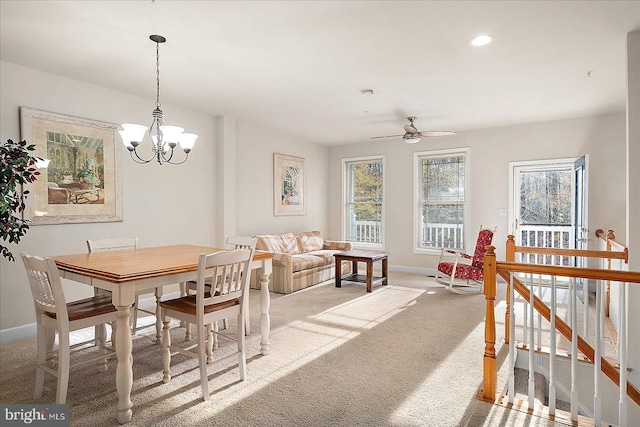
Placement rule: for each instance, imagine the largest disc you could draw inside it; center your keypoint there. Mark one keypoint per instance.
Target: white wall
(161, 204)
(254, 178)
(491, 150)
(190, 203)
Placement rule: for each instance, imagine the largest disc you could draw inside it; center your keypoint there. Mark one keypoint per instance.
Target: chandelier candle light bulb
(164, 138)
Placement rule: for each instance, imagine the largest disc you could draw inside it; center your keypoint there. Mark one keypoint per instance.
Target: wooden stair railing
(607, 368)
(511, 250)
(492, 269)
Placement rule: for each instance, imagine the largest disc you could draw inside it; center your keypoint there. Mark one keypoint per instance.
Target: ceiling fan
(412, 135)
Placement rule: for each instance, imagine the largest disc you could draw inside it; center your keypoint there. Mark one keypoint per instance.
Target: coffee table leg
(385, 271)
(369, 275)
(354, 267)
(338, 272)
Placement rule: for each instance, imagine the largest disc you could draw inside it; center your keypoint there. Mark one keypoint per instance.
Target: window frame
(417, 201)
(345, 202)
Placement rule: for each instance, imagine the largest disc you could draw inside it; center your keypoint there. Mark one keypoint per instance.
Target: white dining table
(126, 272)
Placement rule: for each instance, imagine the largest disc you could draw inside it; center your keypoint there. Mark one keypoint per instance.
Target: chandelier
(164, 138)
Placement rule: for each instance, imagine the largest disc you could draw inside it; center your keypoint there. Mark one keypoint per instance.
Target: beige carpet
(408, 354)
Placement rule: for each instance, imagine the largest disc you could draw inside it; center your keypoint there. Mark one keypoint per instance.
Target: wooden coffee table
(368, 257)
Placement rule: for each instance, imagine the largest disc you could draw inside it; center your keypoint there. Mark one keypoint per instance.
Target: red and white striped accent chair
(465, 273)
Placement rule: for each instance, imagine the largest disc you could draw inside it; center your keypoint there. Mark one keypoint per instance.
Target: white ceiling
(299, 66)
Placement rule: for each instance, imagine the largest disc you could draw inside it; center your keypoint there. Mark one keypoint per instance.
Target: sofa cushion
(309, 241)
(325, 254)
(301, 262)
(286, 243)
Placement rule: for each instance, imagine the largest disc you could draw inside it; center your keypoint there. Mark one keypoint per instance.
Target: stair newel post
(489, 361)
(510, 257)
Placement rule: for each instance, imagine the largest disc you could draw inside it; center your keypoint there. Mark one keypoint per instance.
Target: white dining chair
(230, 271)
(123, 244)
(55, 315)
(231, 242)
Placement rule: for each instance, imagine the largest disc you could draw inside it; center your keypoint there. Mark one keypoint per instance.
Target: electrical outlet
(502, 212)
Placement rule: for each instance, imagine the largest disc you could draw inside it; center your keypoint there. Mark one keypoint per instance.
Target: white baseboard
(19, 332)
(413, 270)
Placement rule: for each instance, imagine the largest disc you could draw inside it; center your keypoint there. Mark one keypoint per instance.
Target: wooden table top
(141, 263)
(363, 254)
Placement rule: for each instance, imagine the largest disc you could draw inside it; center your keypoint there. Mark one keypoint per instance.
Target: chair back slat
(112, 244)
(485, 237)
(46, 285)
(229, 270)
(241, 242)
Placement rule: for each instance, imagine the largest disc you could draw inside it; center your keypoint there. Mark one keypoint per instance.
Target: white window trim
(364, 245)
(417, 216)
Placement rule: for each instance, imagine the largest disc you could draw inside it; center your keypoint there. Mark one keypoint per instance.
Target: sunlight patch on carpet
(319, 334)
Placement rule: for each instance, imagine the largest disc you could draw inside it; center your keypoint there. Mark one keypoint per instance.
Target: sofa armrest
(281, 259)
(337, 245)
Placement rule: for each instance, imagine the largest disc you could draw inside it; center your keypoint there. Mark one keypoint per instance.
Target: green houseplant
(17, 167)
(86, 176)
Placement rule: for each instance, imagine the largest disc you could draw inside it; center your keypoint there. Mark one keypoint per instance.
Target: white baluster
(622, 350)
(524, 323)
(585, 304)
(574, 350)
(532, 383)
(597, 366)
(552, 350)
(540, 314)
(512, 341)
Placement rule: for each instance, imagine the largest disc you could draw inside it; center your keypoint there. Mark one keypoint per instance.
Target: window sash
(441, 196)
(364, 210)
(437, 234)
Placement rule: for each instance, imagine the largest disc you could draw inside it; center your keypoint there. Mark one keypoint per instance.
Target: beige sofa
(301, 259)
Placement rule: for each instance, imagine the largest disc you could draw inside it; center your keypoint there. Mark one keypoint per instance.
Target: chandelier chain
(157, 75)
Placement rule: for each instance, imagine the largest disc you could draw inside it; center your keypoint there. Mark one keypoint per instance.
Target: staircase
(575, 372)
(585, 386)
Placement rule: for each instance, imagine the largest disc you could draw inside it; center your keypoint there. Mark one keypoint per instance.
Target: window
(363, 201)
(441, 199)
(548, 205)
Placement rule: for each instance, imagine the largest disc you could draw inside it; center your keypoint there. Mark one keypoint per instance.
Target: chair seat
(88, 307)
(188, 305)
(47, 292)
(463, 271)
(227, 297)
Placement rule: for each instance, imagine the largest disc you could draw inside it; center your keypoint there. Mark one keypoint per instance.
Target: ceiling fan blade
(388, 136)
(410, 129)
(436, 133)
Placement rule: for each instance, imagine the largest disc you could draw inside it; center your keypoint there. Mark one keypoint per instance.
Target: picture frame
(82, 182)
(288, 185)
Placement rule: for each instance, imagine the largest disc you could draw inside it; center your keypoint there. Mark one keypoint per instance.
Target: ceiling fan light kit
(411, 140)
(413, 136)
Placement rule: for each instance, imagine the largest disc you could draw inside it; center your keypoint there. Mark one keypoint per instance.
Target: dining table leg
(265, 302)
(124, 370)
(158, 294)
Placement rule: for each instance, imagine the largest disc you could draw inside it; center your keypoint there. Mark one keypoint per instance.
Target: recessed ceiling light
(367, 92)
(482, 40)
